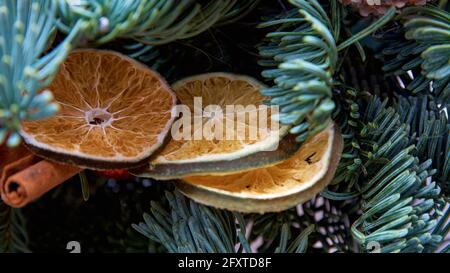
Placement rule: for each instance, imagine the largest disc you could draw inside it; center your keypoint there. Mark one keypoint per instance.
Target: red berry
(116, 174)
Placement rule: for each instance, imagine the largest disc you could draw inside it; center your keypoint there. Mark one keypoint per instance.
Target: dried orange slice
(114, 113)
(240, 125)
(287, 147)
(273, 188)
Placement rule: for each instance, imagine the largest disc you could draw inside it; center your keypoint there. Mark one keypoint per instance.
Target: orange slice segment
(274, 188)
(114, 113)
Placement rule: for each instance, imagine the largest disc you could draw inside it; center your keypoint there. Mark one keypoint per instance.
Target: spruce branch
(400, 203)
(300, 58)
(25, 32)
(427, 121)
(13, 236)
(429, 130)
(442, 229)
(326, 223)
(418, 51)
(188, 227)
(149, 22)
(368, 30)
(345, 185)
(393, 152)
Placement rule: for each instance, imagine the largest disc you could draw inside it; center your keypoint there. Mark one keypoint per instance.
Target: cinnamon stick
(30, 177)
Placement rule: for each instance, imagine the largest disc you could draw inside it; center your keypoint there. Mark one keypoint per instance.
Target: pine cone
(379, 7)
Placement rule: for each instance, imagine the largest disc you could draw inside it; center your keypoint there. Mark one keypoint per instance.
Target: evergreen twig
(25, 35)
(13, 235)
(301, 57)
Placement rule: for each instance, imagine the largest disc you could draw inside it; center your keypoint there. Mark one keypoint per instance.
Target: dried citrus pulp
(243, 137)
(273, 188)
(114, 113)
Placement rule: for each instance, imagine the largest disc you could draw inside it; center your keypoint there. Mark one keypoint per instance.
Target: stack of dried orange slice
(225, 149)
